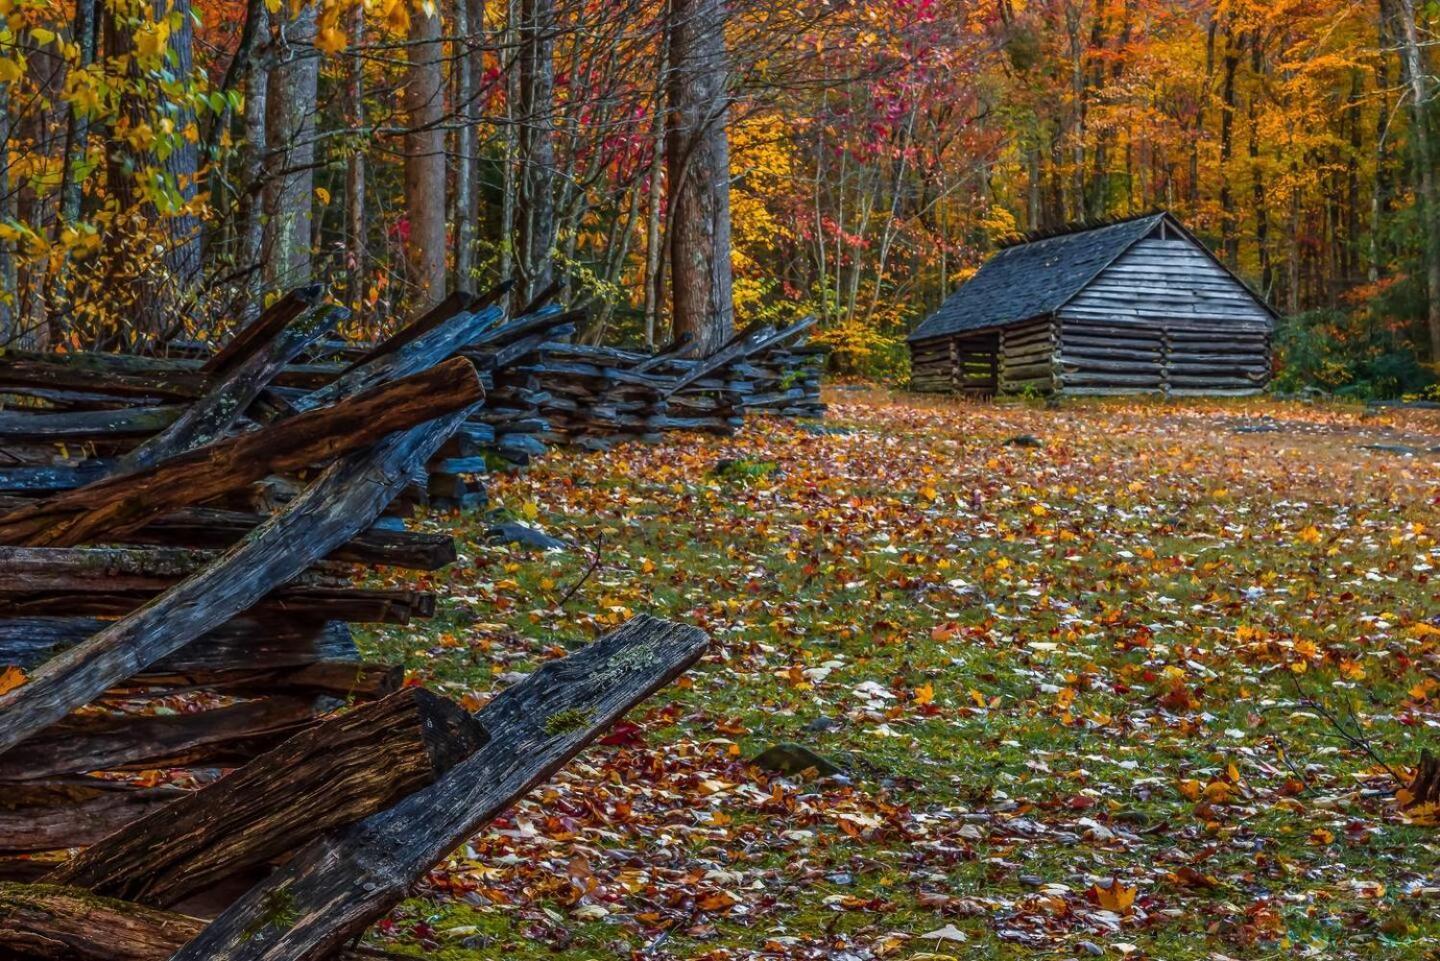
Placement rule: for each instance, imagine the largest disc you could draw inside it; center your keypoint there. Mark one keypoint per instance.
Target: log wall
(1165, 318)
(956, 365)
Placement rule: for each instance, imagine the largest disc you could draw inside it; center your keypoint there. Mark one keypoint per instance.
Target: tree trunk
(291, 93)
(425, 160)
(535, 201)
(1429, 191)
(655, 189)
(698, 172)
(1229, 230)
(469, 69)
(356, 249)
(253, 161)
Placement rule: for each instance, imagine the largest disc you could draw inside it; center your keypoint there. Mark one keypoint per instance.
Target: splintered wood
(188, 529)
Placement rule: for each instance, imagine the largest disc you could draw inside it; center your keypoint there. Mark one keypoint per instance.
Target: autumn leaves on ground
(1130, 692)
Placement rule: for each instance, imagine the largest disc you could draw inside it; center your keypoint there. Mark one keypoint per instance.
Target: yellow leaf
(11, 678)
(331, 40)
(925, 693)
(11, 70)
(322, 195)
(1114, 897)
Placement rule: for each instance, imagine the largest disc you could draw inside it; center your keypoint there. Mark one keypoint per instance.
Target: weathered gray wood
(241, 379)
(53, 815)
(115, 375)
(457, 302)
(213, 528)
(121, 569)
(413, 359)
(42, 478)
(241, 643)
(332, 774)
(263, 329)
(114, 742)
(339, 884)
(343, 500)
(124, 502)
(83, 425)
(50, 923)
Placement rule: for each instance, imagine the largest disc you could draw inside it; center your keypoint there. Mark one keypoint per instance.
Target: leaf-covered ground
(1129, 692)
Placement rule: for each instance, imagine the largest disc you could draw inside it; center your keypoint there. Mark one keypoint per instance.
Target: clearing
(1089, 694)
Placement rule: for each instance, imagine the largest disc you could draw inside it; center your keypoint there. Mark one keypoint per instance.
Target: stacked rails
(176, 607)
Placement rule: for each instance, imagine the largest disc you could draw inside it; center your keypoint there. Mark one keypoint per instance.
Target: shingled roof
(1035, 279)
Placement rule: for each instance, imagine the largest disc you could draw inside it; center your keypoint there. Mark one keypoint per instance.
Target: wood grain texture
(343, 881)
(343, 500)
(332, 774)
(49, 923)
(121, 503)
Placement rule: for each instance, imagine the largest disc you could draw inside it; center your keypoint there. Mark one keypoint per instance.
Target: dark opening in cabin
(1139, 306)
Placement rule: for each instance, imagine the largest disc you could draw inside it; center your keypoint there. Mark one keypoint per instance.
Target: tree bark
(698, 173)
(425, 159)
(1427, 186)
(357, 253)
(535, 200)
(291, 92)
(254, 162)
(469, 69)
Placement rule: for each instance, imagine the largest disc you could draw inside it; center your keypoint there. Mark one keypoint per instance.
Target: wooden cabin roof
(1037, 279)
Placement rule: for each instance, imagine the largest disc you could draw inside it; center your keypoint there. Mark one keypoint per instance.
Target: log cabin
(1137, 306)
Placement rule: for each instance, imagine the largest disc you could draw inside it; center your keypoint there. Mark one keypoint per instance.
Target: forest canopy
(171, 164)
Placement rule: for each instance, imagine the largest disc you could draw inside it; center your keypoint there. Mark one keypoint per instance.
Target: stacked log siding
(1135, 307)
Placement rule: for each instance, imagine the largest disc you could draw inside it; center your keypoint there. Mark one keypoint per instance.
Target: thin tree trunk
(356, 248)
(535, 208)
(425, 159)
(698, 165)
(9, 329)
(655, 194)
(1229, 229)
(77, 133)
(290, 99)
(250, 213)
(1428, 189)
(468, 69)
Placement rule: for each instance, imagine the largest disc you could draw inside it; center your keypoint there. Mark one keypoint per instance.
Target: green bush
(1347, 354)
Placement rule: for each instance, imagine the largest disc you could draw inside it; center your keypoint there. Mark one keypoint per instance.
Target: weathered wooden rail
(541, 388)
(184, 707)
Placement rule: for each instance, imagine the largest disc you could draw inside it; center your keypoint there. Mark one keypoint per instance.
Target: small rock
(791, 759)
(1090, 947)
(841, 879)
(825, 430)
(1025, 440)
(1400, 450)
(513, 533)
(822, 724)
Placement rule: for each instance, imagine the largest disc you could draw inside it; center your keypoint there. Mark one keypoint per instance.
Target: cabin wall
(956, 365)
(1169, 281)
(1027, 357)
(1166, 319)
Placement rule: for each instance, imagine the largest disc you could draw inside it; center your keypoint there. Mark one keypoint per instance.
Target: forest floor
(1129, 693)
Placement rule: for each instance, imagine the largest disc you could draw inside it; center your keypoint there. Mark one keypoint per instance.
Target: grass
(1111, 665)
